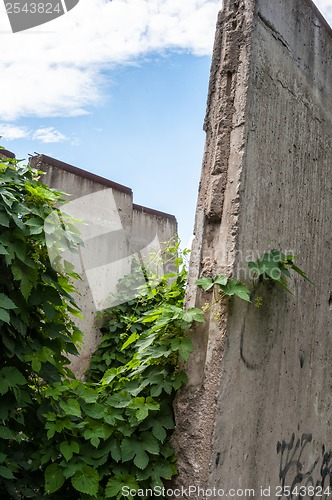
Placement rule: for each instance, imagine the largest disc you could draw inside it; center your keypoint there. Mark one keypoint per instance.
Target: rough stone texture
(261, 378)
(105, 258)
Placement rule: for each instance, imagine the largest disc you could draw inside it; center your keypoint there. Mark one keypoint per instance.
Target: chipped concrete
(260, 379)
(215, 231)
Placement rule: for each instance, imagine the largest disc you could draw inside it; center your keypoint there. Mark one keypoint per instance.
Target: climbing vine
(112, 431)
(36, 329)
(61, 437)
(270, 268)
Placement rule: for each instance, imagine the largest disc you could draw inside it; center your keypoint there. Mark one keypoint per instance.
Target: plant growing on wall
(226, 286)
(275, 267)
(112, 432)
(36, 329)
(271, 267)
(61, 437)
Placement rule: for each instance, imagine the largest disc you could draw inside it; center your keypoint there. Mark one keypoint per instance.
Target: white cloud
(56, 69)
(12, 132)
(325, 6)
(47, 135)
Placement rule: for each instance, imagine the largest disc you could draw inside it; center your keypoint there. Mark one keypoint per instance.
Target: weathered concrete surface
(115, 229)
(260, 377)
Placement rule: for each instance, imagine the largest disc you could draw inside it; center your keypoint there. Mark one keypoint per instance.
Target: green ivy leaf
(165, 471)
(45, 354)
(6, 472)
(98, 431)
(54, 478)
(4, 316)
(133, 337)
(180, 379)
(183, 346)
(86, 481)
(116, 451)
(114, 485)
(109, 376)
(114, 416)
(68, 449)
(119, 400)
(88, 394)
(71, 407)
(275, 265)
(94, 410)
(10, 377)
(137, 449)
(254, 268)
(194, 314)
(4, 219)
(34, 222)
(5, 432)
(6, 302)
(221, 280)
(272, 270)
(26, 287)
(3, 250)
(205, 282)
(146, 340)
(234, 287)
(143, 406)
(159, 431)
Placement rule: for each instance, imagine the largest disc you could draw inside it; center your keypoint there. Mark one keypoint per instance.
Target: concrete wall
(115, 229)
(258, 408)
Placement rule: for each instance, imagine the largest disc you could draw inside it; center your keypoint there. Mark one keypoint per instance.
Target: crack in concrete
(275, 32)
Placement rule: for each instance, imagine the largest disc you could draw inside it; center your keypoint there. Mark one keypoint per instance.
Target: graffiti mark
(300, 466)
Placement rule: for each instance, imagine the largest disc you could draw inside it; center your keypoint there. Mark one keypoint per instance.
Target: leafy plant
(113, 430)
(227, 287)
(63, 438)
(36, 329)
(272, 266)
(275, 266)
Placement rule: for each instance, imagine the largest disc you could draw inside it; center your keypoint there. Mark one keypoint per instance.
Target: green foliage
(227, 286)
(36, 331)
(113, 429)
(61, 437)
(274, 266)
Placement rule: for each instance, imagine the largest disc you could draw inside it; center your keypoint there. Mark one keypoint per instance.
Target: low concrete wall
(115, 229)
(258, 408)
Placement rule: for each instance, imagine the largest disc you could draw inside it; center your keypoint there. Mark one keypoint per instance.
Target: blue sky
(147, 134)
(117, 88)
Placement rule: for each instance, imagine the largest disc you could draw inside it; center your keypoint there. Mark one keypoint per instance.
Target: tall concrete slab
(257, 411)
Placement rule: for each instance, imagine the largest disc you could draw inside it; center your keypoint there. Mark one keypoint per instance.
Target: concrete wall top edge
(8, 154)
(152, 211)
(52, 162)
(48, 160)
(313, 7)
(305, 36)
(269, 5)
(320, 16)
